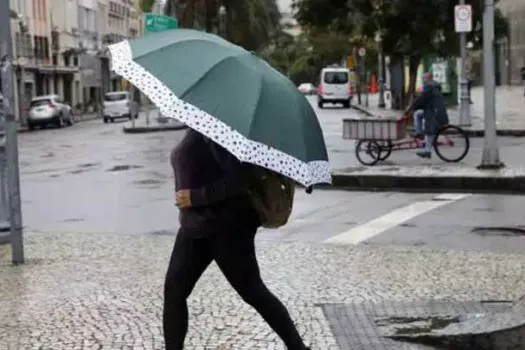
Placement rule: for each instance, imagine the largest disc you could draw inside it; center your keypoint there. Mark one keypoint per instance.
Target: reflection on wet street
(94, 178)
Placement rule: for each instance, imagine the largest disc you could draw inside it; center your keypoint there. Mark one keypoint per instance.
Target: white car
(49, 109)
(307, 88)
(119, 104)
(335, 86)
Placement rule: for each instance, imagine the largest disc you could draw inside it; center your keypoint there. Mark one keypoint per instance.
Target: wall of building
(513, 56)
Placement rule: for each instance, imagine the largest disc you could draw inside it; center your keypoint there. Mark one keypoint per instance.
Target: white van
(335, 86)
(119, 104)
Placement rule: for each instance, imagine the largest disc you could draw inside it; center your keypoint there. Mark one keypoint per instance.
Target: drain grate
(354, 325)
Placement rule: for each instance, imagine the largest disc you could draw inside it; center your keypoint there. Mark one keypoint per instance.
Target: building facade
(58, 47)
(511, 52)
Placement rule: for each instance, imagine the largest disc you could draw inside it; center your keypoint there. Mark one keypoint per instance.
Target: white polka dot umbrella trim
(246, 150)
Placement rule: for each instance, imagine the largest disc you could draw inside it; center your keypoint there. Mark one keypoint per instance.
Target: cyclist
(430, 113)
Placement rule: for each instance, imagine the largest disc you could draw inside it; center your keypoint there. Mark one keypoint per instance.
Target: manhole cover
(499, 231)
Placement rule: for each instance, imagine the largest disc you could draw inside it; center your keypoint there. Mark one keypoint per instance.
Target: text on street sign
(463, 18)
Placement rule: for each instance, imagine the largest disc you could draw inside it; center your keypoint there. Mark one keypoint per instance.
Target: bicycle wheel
(370, 149)
(451, 144)
(386, 149)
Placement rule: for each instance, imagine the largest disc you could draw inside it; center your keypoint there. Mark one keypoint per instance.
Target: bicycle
(380, 147)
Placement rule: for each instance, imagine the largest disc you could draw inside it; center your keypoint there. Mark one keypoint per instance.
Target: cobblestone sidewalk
(96, 291)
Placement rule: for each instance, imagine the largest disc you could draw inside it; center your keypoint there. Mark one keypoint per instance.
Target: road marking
(383, 223)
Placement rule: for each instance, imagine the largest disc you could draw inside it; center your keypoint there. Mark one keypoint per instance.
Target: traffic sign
(158, 23)
(463, 18)
(362, 51)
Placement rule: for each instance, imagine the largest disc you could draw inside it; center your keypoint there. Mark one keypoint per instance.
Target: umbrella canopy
(229, 95)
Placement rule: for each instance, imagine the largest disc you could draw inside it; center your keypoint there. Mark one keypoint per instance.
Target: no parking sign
(463, 18)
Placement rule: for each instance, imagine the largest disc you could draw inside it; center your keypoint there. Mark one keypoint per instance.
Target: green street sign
(158, 23)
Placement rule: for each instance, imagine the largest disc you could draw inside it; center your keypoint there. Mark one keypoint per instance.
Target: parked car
(335, 87)
(307, 88)
(119, 104)
(49, 109)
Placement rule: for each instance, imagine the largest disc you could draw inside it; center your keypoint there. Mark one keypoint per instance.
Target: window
(54, 59)
(39, 103)
(336, 77)
(115, 97)
(46, 47)
(75, 61)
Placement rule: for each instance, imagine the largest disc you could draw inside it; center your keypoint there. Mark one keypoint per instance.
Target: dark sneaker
(424, 154)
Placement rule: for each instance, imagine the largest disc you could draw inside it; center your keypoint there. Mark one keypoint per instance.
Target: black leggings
(234, 253)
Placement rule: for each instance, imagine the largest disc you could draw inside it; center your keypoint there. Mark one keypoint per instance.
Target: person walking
(217, 223)
(434, 113)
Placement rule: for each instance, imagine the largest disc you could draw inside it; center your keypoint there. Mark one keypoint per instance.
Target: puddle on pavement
(417, 325)
(117, 168)
(489, 210)
(499, 231)
(148, 182)
(73, 220)
(88, 165)
(161, 233)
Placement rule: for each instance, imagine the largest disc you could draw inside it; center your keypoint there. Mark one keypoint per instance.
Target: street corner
(438, 178)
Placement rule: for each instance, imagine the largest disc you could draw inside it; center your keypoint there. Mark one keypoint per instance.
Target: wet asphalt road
(94, 178)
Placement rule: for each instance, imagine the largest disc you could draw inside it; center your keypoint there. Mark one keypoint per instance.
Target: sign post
(362, 73)
(463, 25)
(490, 158)
(10, 139)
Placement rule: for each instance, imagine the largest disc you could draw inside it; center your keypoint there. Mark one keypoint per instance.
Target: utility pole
(463, 15)
(380, 70)
(490, 158)
(11, 137)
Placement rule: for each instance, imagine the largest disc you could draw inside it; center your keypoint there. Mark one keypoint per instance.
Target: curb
(148, 129)
(441, 183)
(469, 132)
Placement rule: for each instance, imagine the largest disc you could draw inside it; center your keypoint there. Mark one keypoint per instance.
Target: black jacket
(217, 182)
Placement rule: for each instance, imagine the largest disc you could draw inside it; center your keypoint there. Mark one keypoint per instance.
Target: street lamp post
(380, 70)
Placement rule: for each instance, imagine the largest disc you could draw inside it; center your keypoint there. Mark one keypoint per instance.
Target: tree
(250, 24)
(146, 5)
(409, 28)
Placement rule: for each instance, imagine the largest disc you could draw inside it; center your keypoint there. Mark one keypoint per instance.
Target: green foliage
(147, 5)
(250, 24)
(301, 58)
(408, 27)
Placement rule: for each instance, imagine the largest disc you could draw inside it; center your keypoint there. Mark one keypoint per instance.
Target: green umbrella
(229, 95)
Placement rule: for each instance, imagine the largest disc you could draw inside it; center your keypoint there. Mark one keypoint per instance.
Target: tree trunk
(210, 15)
(413, 65)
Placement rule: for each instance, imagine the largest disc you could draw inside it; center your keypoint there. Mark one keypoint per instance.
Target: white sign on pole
(463, 18)
(362, 51)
